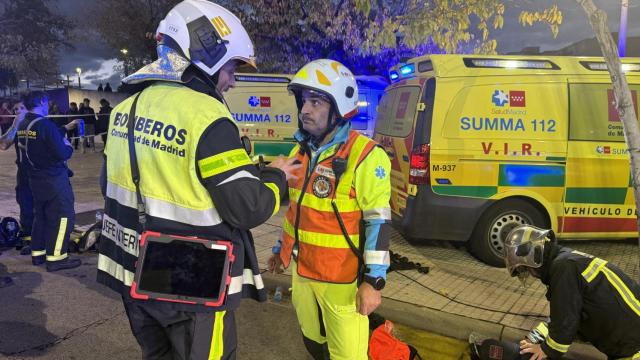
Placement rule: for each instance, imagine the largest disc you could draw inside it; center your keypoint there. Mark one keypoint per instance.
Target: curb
(447, 324)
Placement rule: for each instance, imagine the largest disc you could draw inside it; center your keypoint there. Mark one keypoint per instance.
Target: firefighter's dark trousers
(54, 217)
(180, 335)
(24, 198)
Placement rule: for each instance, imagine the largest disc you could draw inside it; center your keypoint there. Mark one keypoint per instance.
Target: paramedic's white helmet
(331, 79)
(207, 34)
(524, 247)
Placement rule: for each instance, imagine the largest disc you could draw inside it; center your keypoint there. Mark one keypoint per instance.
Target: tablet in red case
(182, 269)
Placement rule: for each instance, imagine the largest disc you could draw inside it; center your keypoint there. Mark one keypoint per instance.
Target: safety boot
(38, 260)
(66, 263)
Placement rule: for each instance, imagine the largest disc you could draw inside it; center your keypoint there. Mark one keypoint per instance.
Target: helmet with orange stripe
(332, 80)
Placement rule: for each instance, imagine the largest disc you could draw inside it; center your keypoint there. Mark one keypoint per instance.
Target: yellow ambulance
(265, 112)
(481, 144)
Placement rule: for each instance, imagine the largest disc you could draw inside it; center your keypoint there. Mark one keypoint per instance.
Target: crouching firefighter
(336, 225)
(193, 178)
(590, 299)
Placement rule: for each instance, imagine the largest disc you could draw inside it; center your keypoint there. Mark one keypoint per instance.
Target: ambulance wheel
(487, 240)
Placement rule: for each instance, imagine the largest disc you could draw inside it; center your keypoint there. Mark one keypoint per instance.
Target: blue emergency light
(407, 69)
(394, 75)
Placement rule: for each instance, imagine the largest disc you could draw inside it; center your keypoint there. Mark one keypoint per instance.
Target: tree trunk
(624, 103)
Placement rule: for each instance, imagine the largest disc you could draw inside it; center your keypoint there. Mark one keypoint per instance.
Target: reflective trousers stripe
(60, 239)
(217, 340)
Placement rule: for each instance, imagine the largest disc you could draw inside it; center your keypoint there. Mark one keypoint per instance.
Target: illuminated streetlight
(124, 52)
(79, 71)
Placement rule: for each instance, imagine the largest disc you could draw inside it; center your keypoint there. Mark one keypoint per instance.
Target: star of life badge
(321, 186)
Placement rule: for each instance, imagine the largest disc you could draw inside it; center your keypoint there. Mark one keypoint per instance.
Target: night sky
(97, 61)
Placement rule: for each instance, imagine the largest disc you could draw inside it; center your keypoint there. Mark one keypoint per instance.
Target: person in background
(100, 87)
(24, 198)
(89, 117)
(43, 152)
(6, 118)
(102, 126)
(73, 133)
(107, 88)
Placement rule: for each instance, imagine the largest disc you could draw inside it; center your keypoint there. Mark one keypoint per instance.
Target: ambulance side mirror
(246, 143)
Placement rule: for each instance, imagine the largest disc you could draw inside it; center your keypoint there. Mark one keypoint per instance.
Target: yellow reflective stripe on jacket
(217, 341)
(346, 182)
(114, 269)
(165, 209)
(556, 346)
(219, 163)
(635, 356)
(318, 239)
(276, 193)
(593, 269)
(317, 203)
(543, 329)
(623, 290)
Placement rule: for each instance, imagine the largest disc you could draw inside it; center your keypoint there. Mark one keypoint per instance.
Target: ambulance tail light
(419, 165)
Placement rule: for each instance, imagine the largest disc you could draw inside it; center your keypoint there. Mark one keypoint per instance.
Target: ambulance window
(593, 115)
(397, 111)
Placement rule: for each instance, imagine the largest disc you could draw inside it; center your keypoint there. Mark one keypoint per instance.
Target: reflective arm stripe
(623, 290)
(556, 346)
(248, 278)
(38, 252)
(276, 193)
(380, 213)
(219, 163)
(164, 209)
(376, 257)
(593, 269)
(114, 269)
(543, 329)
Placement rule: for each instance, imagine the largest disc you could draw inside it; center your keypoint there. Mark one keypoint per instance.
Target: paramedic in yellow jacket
(196, 179)
(335, 229)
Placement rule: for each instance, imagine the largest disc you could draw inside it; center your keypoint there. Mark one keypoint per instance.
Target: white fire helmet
(329, 78)
(207, 34)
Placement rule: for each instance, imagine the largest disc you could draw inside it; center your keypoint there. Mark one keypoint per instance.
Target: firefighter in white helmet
(196, 179)
(336, 227)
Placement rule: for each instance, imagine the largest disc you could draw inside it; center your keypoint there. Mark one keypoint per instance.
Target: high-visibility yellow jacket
(362, 193)
(178, 134)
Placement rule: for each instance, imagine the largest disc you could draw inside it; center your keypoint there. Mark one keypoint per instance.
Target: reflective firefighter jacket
(592, 300)
(196, 179)
(362, 193)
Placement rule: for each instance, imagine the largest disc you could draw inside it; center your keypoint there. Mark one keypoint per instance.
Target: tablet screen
(182, 268)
